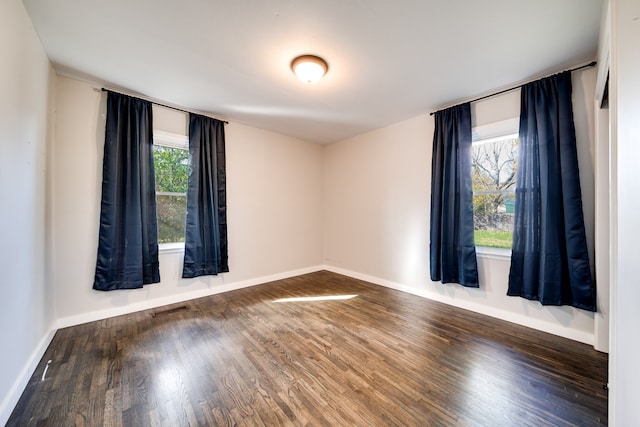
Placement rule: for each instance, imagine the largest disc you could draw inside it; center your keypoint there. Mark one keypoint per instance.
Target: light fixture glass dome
(309, 68)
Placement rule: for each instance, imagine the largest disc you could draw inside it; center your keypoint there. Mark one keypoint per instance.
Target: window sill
(169, 248)
(493, 253)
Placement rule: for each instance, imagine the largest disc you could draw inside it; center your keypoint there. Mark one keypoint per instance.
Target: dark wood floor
(381, 358)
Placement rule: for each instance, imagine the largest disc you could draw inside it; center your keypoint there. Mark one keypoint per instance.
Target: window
(171, 162)
(494, 163)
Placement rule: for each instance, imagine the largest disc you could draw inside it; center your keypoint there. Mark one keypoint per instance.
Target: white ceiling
(388, 60)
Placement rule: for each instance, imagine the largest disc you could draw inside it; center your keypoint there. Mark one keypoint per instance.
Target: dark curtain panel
(549, 260)
(128, 239)
(205, 249)
(452, 248)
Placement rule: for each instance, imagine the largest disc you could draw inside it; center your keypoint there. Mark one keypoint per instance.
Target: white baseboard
(516, 318)
(11, 399)
(173, 299)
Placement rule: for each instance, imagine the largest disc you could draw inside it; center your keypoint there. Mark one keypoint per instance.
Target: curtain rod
(162, 105)
(591, 64)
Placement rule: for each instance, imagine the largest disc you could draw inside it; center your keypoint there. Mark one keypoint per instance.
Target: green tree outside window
(493, 178)
(172, 179)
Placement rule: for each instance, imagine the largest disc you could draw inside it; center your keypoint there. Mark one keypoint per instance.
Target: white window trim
(169, 248)
(493, 253)
(171, 140)
(495, 139)
(168, 139)
(497, 131)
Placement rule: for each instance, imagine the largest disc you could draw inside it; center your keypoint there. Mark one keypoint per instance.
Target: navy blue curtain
(128, 237)
(549, 261)
(452, 247)
(205, 248)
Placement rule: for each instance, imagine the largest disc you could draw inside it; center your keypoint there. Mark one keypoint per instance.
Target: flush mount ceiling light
(309, 68)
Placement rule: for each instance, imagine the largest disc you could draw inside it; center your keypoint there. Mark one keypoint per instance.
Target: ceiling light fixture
(309, 68)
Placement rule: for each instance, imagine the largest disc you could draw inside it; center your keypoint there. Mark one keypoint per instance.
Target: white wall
(274, 210)
(624, 375)
(602, 320)
(376, 212)
(26, 307)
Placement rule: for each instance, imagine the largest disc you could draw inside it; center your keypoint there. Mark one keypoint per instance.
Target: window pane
(494, 166)
(172, 178)
(493, 219)
(172, 211)
(172, 169)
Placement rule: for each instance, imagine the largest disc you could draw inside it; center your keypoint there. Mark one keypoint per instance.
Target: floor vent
(168, 311)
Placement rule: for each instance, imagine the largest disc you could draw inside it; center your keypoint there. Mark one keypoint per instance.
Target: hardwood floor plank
(381, 358)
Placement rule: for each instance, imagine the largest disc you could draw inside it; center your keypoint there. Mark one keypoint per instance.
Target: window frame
(492, 132)
(171, 140)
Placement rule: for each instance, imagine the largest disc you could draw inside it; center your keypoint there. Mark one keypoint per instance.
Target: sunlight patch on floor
(318, 298)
